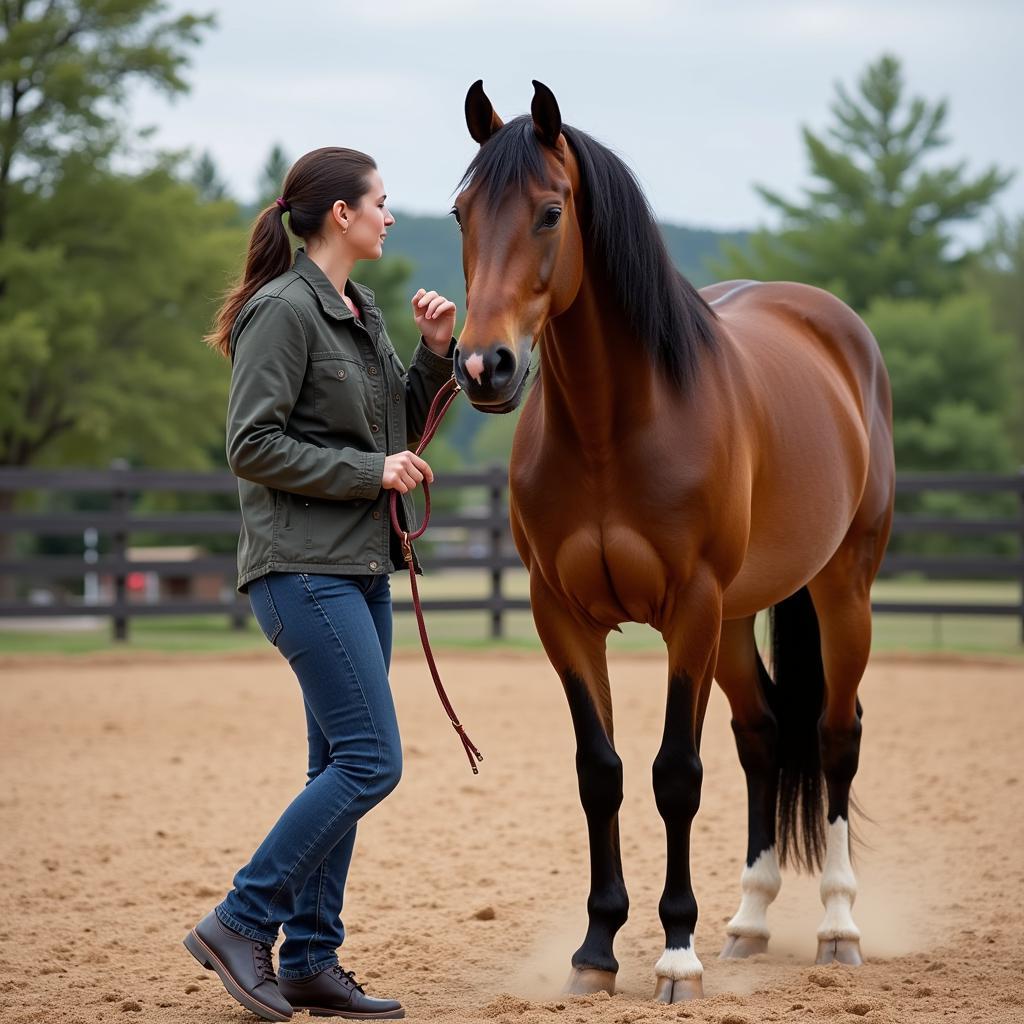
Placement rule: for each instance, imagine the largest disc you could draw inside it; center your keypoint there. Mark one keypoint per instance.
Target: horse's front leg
(577, 653)
(691, 631)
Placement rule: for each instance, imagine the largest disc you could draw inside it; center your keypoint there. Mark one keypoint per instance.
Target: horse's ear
(481, 119)
(547, 120)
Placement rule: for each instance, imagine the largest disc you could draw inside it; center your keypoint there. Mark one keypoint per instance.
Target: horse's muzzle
(492, 378)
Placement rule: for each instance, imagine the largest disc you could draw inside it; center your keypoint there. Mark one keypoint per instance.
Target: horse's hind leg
(577, 653)
(842, 601)
(742, 676)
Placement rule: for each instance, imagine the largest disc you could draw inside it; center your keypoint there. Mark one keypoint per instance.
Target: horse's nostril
(505, 367)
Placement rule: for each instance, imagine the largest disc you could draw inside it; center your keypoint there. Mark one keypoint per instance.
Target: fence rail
(490, 551)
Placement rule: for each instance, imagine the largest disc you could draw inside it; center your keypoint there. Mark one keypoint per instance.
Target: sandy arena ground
(131, 790)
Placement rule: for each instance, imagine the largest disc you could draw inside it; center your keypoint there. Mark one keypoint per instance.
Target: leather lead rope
(434, 417)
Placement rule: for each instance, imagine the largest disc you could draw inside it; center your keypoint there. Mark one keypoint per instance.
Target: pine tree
(876, 222)
(272, 175)
(207, 180)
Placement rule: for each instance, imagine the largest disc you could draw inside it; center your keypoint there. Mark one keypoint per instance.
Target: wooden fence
(485, 545)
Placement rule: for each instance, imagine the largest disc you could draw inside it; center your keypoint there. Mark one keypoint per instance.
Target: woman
(319, 416)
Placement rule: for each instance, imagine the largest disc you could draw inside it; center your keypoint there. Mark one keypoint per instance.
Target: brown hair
(313, 185)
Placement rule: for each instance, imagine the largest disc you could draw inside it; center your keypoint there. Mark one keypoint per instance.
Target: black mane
(661, 306)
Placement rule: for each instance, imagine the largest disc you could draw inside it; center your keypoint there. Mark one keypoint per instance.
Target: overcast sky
(701, 99)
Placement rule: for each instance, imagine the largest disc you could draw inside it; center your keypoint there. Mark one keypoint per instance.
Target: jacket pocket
(341, 394)
(290, 538)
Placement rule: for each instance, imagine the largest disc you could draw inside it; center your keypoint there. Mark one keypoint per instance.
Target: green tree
(876, 222)
(271, 177)
(207, 180)
(64, 66)
(112, 280)
(1000, 275)
(107, 280)
(954, 402)
(947, 364)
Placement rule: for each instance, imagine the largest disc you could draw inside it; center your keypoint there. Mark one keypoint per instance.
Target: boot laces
(264, 962)
(347, 977)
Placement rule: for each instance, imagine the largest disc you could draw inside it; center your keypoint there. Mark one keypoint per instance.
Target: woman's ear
(339, 213)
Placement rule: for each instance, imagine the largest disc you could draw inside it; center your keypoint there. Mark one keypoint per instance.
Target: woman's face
(369, 221)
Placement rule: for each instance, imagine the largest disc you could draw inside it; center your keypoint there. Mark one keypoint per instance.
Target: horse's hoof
(739, 947)
(843, 951)
(585, 981)
(678, 990)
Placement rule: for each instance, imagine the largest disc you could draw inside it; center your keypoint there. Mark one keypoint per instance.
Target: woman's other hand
(402, 472)
(435, 318)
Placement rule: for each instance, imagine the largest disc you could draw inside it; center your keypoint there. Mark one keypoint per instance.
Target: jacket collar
(327, 295)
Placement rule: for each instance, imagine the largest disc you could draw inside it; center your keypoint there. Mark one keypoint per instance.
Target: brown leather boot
(245, 966)
(335, 993)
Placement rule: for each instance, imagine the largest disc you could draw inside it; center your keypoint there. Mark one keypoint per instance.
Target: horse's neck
(597, 380)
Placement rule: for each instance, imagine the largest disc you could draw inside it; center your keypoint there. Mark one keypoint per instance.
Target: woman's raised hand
(402, 472)
(435, 318)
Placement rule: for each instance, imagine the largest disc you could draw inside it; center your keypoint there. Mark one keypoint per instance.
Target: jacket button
(374, 427)
(372, 371)
(376, 514)
(342, 374)
(374, 566)
(394, 398)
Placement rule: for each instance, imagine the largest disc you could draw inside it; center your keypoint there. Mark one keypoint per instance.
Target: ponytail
(314, 184)
(270, 254)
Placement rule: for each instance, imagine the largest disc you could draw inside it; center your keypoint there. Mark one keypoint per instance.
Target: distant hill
(433, 246)
(691, 248)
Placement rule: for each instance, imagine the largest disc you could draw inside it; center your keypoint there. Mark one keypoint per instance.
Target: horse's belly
(796, 526)
(612, 573)
(768, 576)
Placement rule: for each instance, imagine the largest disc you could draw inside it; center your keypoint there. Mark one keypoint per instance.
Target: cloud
(702, 100)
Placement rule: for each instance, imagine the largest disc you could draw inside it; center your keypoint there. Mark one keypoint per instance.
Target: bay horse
(685, 459)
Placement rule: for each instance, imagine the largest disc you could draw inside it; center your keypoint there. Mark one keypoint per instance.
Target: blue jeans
(335, 632)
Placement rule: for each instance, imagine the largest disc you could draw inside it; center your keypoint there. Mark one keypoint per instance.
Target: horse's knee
(677, 780)
(599, 770)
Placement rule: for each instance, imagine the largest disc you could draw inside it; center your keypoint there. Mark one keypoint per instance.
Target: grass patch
(471, 630)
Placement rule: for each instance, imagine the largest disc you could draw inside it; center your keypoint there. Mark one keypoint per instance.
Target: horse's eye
(551, 217)
(455, 214)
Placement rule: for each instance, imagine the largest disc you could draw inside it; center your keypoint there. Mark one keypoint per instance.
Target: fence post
(497, 531)
(239, 610)
(120, 506)
(1020, 552)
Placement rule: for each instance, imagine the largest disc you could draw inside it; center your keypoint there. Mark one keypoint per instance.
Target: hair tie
(280, 202)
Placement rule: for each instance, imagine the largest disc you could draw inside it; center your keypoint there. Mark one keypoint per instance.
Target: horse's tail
(796, 700)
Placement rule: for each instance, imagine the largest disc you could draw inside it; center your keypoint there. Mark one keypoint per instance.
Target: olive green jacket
(317, 400)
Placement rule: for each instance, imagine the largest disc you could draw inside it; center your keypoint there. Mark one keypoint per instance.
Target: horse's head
(522, 250)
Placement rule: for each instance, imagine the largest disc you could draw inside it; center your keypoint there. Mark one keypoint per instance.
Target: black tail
(797, 699)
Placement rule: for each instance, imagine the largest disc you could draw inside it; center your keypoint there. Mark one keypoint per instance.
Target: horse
(684, 459)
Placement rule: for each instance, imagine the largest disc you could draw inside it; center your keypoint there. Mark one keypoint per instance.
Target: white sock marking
(760, 884)
(838, 885)
(679, 963)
